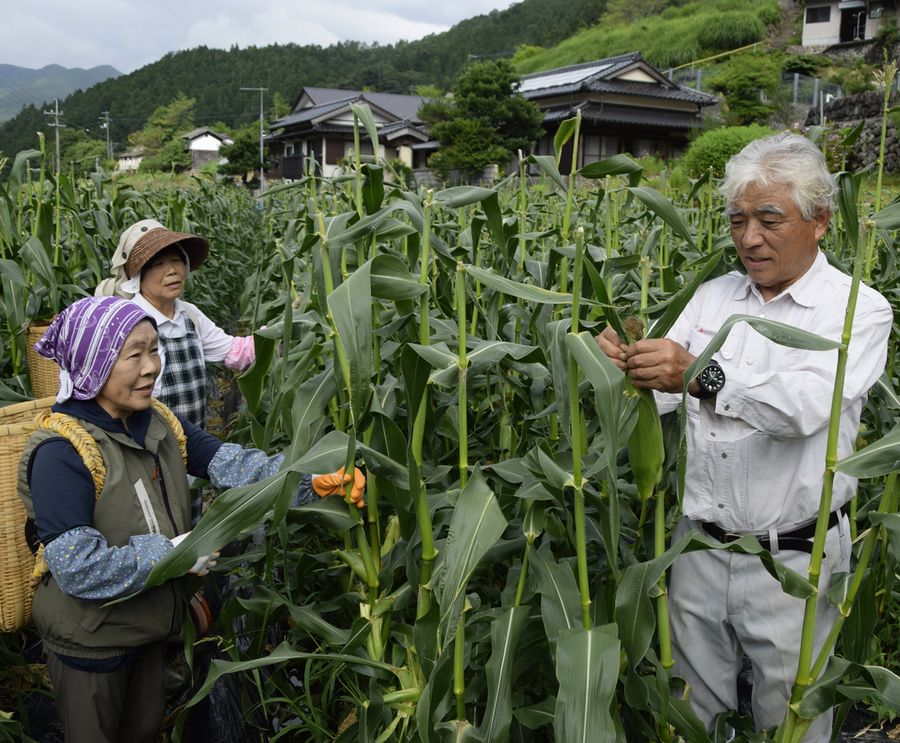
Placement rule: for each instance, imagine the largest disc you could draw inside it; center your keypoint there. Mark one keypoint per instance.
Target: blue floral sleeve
(86, 567)
(233, 466)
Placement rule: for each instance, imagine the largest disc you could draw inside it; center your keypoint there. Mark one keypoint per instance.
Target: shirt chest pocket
(758, 353)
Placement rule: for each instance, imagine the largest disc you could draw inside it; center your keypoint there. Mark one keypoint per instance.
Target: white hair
(783, 160)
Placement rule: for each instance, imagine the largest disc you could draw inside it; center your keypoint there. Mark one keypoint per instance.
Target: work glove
(204, 564)
(333, 484)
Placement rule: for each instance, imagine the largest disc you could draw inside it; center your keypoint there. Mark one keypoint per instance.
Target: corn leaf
(284, 653)
(364, 114)
(846, 681)
(662, 207)
(391, 279)
(477, 523)
(878, 458)
(560, 598)
(516, 289)
(615, 165)
(350, 305)
(587, 667)
(505, 632)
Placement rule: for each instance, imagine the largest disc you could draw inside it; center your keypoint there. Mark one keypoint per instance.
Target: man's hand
(610, 343)
(657, 364)
(333, 484)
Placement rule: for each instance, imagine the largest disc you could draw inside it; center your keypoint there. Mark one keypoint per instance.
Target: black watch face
(712, 378)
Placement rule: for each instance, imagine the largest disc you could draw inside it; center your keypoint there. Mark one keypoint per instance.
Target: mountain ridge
(26, 86)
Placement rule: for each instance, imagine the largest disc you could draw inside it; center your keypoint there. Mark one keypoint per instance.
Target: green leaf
(587, 667)
(253, 381)
(843, 680)
(505, 632)
(888, 218)
(563, 134)
(665, 209)
(547, 165)
(560, 598)
(330, 512)
(615, 165)
(515, 289)
(10, 270)
(391, 279)
(351, 307)
(372, 187)
(477, 523)
(878, 458)
(284, 653)
(537, 715)
(676, 304)
(608, 382)
(846, 198)
(364, 114)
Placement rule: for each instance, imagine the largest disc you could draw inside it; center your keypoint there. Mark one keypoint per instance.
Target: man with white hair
(757, 428)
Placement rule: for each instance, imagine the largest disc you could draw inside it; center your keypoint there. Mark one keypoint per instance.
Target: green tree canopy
(243, 153)
(164, 148)
(485, 122)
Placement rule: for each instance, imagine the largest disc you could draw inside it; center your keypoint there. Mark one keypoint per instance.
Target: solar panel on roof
(560, 78)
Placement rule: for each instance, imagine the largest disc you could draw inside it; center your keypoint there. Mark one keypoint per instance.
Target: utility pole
(104, 124)
(262, 159)
(56, 113)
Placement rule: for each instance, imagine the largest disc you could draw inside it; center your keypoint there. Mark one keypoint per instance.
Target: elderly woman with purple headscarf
(107, 661)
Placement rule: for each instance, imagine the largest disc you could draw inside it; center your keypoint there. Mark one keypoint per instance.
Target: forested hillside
(214, 77)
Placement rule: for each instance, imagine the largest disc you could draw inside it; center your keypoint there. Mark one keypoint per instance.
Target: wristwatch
(710, 381)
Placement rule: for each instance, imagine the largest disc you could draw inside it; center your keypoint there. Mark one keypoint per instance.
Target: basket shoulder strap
(70, 429)
(170, 418)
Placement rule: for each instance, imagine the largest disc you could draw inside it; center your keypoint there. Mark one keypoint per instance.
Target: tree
(741, 80)
(243, 153)
(164, 149)
(485, 122)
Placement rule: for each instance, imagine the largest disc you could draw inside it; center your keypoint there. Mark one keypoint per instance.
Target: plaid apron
(184, 378)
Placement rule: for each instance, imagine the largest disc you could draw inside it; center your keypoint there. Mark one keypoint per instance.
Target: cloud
(132, 33)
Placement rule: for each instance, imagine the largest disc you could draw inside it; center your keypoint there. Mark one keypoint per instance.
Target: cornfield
(507, 578)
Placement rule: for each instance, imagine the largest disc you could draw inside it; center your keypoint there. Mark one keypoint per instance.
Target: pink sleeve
(241, 353)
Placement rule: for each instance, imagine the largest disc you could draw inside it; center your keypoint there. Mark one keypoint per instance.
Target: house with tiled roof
(830, 22)
(626, 106)
(319, 131)
(204, 145)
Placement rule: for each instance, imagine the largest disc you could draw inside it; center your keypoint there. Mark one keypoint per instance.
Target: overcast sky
(129, 34)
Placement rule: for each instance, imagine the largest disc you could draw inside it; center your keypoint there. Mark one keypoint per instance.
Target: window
(334, 151)
(821, 14)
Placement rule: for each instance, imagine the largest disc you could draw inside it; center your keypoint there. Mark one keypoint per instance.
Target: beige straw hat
(146, 238)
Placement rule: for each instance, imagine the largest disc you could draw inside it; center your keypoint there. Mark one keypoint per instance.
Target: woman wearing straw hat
(107, 661)
(149, 267)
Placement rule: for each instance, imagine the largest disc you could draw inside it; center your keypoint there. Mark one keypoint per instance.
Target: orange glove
(333, 484)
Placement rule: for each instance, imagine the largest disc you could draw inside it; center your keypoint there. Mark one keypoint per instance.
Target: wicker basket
(16, 560)
(44, 373)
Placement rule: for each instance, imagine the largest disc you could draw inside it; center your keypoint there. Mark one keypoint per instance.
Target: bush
(769, 14)
(712, 149)
(726, 31)
(805, 64)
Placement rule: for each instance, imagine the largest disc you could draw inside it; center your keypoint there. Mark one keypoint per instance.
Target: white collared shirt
(756, 456)
(214, 342)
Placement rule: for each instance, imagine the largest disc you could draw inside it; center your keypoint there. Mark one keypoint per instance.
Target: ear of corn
(645, 445)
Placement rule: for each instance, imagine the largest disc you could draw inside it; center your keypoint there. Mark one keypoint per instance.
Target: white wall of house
(129, 163)
(821, 24)
(207, 143)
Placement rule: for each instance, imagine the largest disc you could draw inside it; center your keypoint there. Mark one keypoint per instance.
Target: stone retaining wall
(848, 112)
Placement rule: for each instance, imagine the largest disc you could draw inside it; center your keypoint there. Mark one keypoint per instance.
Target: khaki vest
(86, 628)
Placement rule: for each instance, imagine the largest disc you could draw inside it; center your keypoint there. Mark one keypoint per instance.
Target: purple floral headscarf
(85, 340)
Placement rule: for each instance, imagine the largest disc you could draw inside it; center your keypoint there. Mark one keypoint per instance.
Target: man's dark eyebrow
(733, 211)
